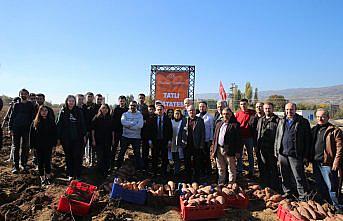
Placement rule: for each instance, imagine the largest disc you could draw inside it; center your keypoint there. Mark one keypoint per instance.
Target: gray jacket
(132, 124)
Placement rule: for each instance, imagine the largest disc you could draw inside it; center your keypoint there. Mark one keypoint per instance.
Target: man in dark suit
(162, 134)
(192, 137)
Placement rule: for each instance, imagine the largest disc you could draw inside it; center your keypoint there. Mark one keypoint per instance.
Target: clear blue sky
(66, 47)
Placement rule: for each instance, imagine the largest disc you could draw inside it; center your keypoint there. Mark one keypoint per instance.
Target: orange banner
(172, 88)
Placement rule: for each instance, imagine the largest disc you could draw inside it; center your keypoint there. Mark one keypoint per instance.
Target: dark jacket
(102, 126)
(116, 119)
(333, 145)
(232, 138)
(217, 118)
(167, 128)
(1, 104)
(302, 140)
(198, 133)
(44, 136)
(253, 123)
(89, 111)
(22, 116)
(143, 108)
(266, 132)
(64, 126)
(148, 127)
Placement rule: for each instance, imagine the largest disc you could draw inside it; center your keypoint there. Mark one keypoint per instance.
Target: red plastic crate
(239, 202)
(66, 205)
(201, 212)
(284, 215)
(281, 212)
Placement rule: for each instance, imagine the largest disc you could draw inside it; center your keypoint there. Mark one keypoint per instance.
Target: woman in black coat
(103, 135)
(43, 137)
(71, 130)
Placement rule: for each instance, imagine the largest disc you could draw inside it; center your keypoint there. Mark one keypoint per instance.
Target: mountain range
(320, 95)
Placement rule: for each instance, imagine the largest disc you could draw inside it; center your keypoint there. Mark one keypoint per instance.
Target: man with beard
(19, 126)
(116, 115)
(90, 110)
(266, 131)
(208, 121)
(147, 134)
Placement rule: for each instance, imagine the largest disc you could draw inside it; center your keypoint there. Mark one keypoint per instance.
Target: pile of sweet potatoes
(311, 210)
(270, 197)
(168, 189)
(135, 186)
(199, 195)
(196, 195)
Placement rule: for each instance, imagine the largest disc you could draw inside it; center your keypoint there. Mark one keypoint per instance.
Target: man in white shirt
(226, 146)
(208, 121)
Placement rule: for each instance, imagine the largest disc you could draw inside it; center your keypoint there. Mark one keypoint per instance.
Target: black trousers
(160, 150)
(21, 141)
(73, 150)
(44, 159)
(104, 157)
(114, 149)
(269, 174)
(206, 159)
(192, 168)
(145, 152)
(293, 176)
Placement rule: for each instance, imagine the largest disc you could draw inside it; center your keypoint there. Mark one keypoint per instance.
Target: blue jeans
(249, 145)
(327, 183)
(136, 146)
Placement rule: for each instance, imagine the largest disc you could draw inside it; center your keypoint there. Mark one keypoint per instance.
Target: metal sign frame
(172, 68)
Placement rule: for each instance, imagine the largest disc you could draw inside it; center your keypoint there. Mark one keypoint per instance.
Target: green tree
(129, 98)
(255, 96)
(279, 102)
(6, 100)
(248, 91)
(338, 114)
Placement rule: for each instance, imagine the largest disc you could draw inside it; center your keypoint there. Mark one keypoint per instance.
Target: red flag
(222, 92)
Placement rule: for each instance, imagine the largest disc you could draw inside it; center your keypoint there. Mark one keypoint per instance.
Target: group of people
(92, 130)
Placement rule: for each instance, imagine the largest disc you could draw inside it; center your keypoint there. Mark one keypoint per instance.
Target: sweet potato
(297, 215)
(192, 190)
(235, 187)
(255, 187)
(304, 212)
(220, 200)
(195, 185)
(268, 192)
(320, 209)
(276, 198)
(143, 184)
(172, 185)
(206, 189)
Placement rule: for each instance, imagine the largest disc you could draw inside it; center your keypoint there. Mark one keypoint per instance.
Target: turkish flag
(222, 92)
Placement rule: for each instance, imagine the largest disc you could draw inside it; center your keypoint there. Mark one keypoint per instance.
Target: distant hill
(332, 94)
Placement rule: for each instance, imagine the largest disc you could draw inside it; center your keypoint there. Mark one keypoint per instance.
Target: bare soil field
(22, 197)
